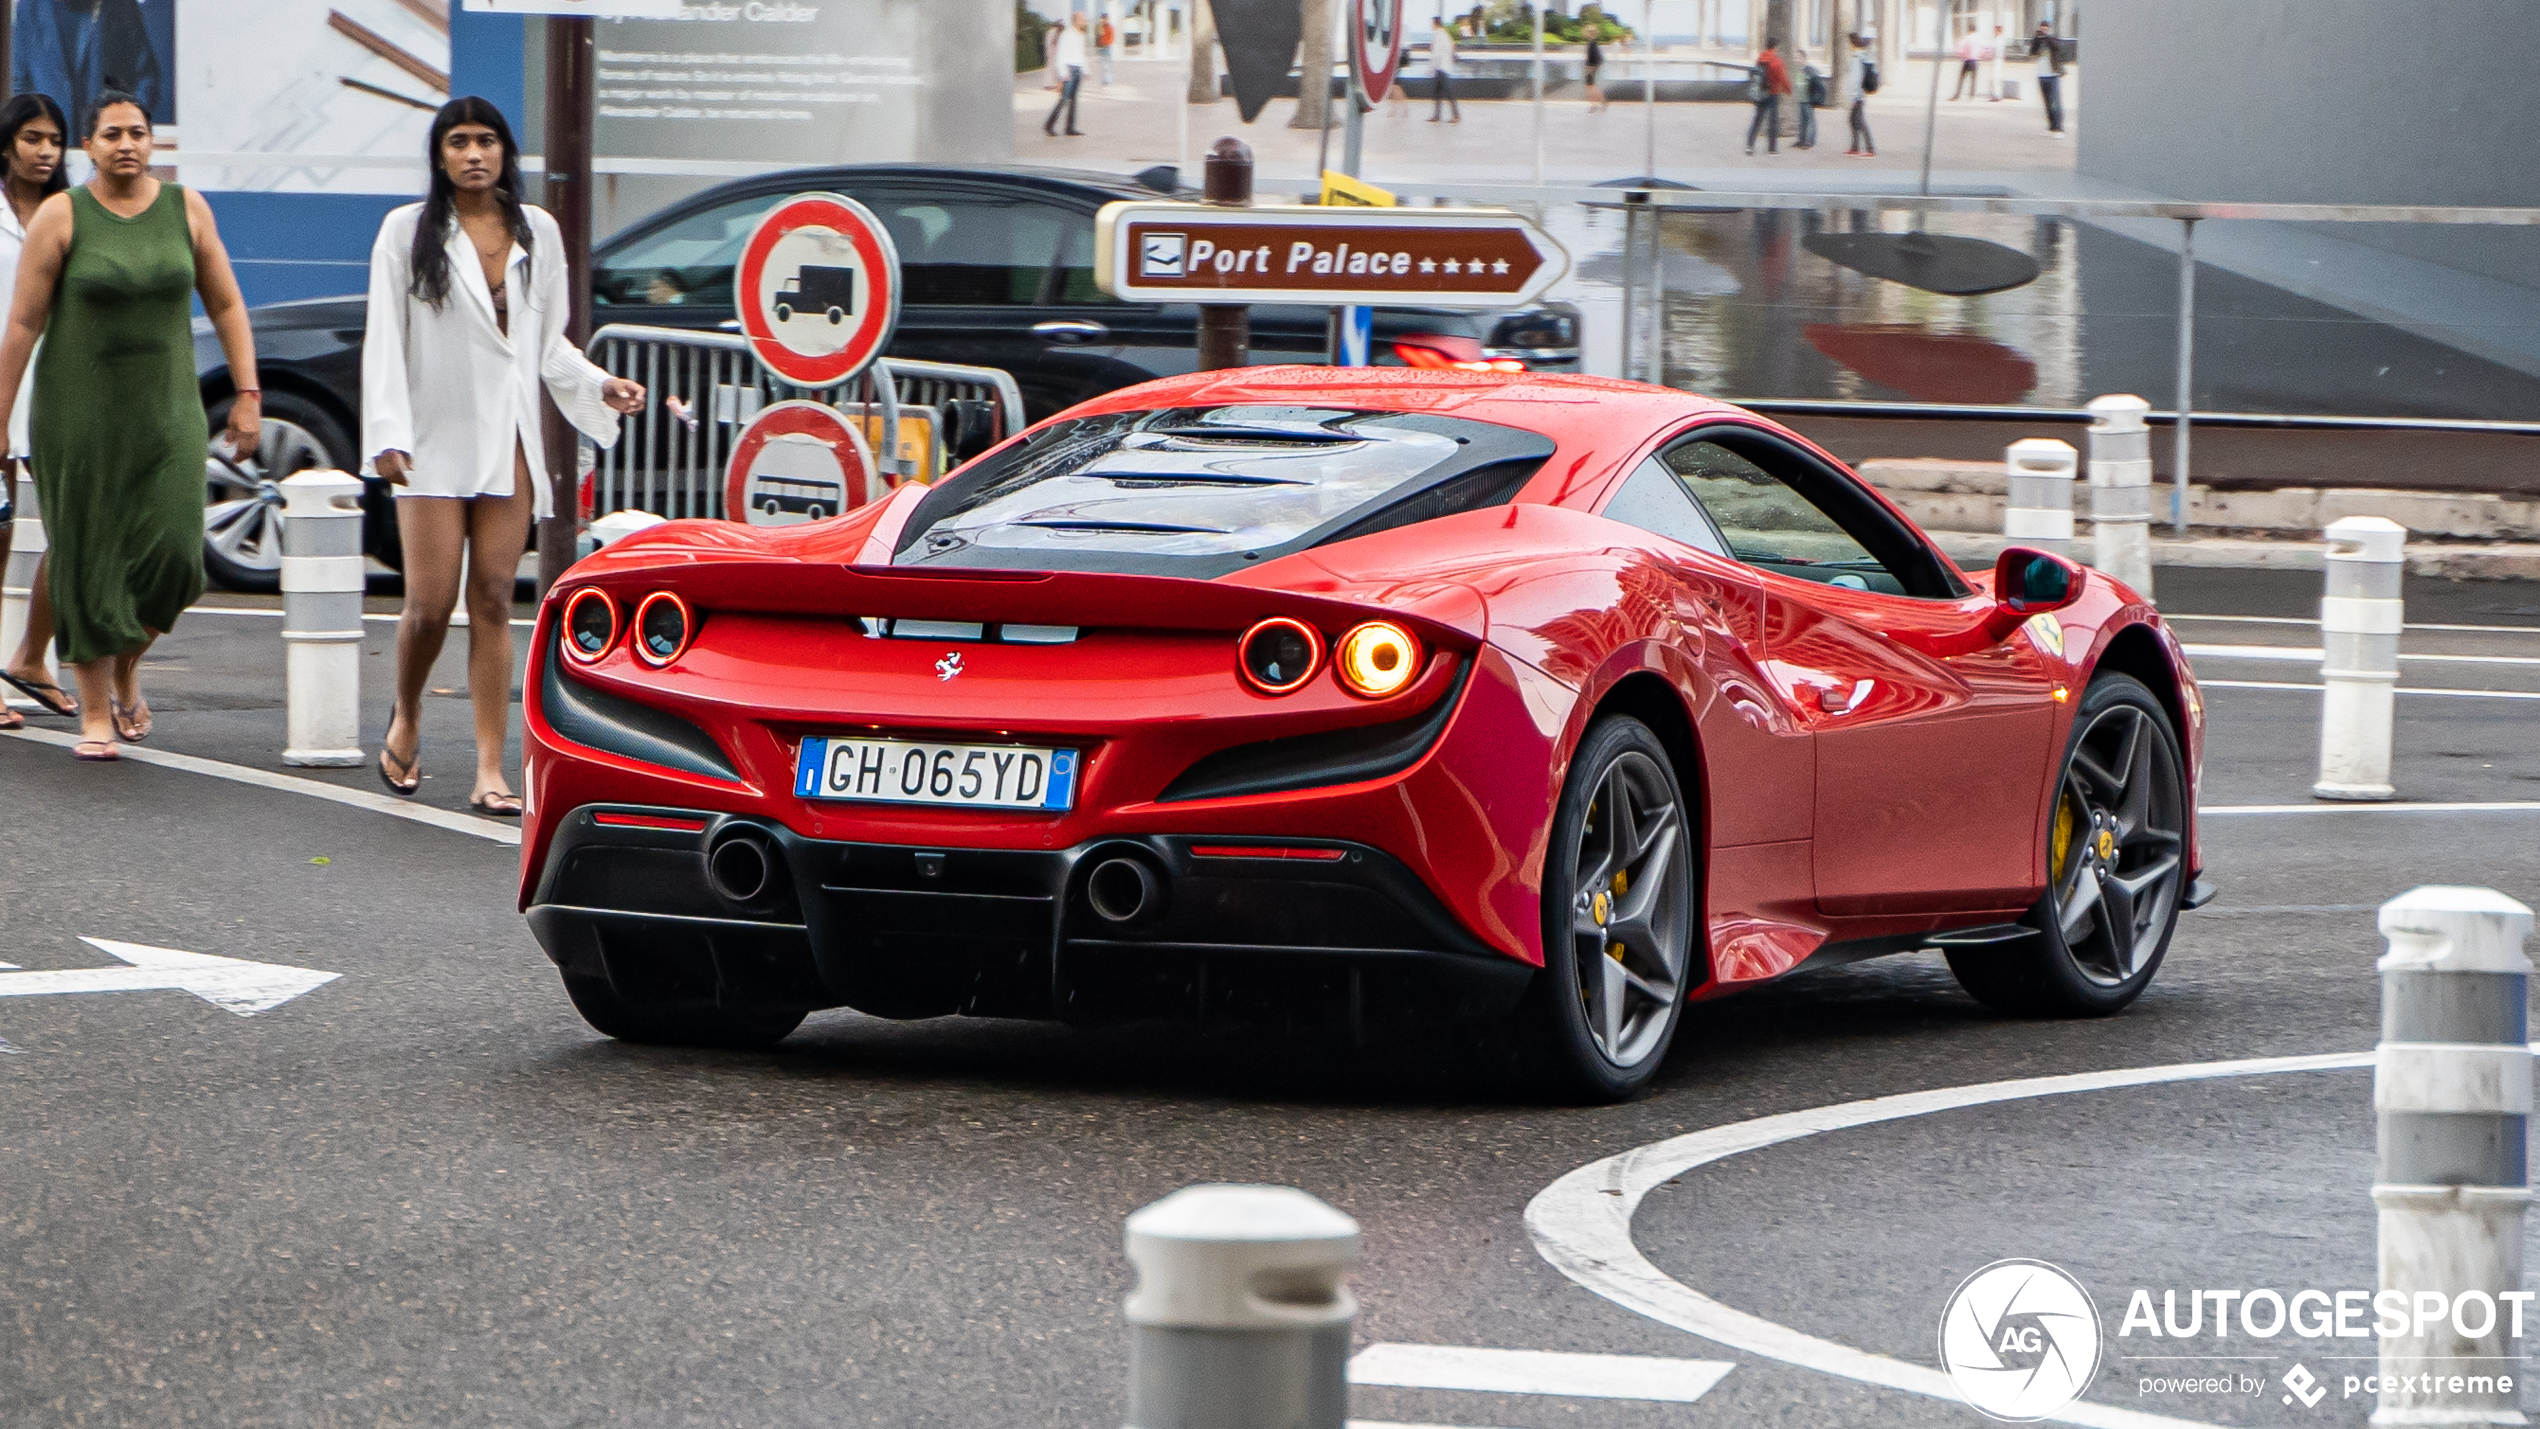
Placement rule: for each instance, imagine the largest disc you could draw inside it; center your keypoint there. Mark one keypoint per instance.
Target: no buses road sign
(818, 288)
(1161, 252)
(1375, 46)
(795, 462)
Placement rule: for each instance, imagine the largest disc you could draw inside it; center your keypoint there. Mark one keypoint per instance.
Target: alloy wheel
(1630, 909)
(242, 508)
(2116, 845)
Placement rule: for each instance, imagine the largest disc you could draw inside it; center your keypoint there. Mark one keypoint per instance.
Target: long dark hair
(431, 258)
(23, 110)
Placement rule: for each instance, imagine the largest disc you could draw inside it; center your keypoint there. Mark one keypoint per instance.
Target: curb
(2504, 561)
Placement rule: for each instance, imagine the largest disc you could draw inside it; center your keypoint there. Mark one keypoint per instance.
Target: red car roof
(1567, 407)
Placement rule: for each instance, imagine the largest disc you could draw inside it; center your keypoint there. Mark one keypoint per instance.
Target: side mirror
(2032, 582)
(2025, 583)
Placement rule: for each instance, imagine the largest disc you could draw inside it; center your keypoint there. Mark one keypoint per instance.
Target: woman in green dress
(118, 417)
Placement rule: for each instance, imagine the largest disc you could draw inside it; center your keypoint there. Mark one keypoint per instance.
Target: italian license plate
(973, 776)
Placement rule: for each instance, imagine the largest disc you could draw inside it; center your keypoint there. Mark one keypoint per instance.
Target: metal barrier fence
(706, 386)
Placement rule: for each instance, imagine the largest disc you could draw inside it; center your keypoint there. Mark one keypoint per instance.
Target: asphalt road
(424, 1193)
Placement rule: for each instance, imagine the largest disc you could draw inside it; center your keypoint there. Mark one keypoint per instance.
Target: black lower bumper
(1306, 935)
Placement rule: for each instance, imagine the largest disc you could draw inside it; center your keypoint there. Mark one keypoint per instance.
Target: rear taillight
(662, 628)
(590, 624)
(1377, 659)
(1279, 654)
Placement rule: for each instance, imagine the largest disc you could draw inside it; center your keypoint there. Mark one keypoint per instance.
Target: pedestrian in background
(1068, 64)
(1812, 95)
(1970, 53)
(1765, 85)
(1103, 43)
(1993, 49)
(33, 135)
(1442, 72)
(2049, 56)
(468, 307)
(108, 279)
(1595, 66)
(1865, 82)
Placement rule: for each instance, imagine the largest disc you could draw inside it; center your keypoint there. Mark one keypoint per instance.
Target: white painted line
(233, 983)
(1582, 1223)
(2312, 655)
(373, 617)
(2168, 618)
(262, 779)
(2203, 684)
(1352, 1424)
(1537, 1372)
(2500, 806)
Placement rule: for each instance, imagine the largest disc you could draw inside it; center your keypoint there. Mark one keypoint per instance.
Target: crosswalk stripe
(1491, 1371)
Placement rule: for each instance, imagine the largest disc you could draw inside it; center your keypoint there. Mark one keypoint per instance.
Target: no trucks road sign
(1375, 46)
(1159, 252)
(818, 288)
(796, 462)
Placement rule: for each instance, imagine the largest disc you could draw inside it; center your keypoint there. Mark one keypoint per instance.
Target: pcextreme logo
(2020, 1340)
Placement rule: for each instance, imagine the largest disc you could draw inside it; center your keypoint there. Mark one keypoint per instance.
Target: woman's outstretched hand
(623, 396)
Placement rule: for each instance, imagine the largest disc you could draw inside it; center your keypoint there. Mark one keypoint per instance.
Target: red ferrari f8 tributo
(1333, 699)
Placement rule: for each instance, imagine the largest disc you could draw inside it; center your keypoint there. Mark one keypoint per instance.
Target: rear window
(1200, 491)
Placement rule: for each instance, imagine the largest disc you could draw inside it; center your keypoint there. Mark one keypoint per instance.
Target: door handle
(1070, 331)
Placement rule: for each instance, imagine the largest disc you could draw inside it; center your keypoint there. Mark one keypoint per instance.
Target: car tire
(242, 518)
(2116, 867)
(1599, 1025)
(674, 1025)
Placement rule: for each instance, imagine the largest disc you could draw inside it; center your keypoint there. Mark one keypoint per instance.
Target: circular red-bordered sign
(1375, 46)
(795, 462)
(818, 289)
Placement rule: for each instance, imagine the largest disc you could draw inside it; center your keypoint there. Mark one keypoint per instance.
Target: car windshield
(1199, 491)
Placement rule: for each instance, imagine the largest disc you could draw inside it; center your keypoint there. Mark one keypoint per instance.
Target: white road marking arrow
(241, 986)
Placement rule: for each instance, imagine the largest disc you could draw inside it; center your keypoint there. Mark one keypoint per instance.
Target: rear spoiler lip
(1448, 617)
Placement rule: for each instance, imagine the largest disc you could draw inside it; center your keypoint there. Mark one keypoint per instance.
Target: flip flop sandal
(498, 806)
(406, 780)
(11, 719)
(105, 752)
(54, 698)
(132, 721)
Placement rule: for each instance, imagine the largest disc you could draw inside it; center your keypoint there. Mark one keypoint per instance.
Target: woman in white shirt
(468, 305)
(33, 134)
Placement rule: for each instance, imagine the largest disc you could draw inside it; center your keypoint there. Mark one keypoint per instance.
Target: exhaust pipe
(1124, 890)
(742, 866)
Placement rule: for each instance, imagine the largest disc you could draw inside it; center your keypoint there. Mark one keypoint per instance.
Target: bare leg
(134, 721)
(96, 681)
(498, 531)
(27, 661)
(432, 528)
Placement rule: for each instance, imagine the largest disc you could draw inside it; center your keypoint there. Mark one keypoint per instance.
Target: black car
(996, 268)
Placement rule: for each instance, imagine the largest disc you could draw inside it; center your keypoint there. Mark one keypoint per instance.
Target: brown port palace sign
(1426, 257)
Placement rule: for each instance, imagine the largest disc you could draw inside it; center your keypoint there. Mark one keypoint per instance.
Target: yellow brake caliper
(2060, 843)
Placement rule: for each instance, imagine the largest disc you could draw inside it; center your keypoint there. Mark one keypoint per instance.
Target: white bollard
(2451, 1090)
(618, 525)
(2040, 512)
(1240, 1319)
(2359, 630)
(322, 584)
(17, 588)
(2121, 490)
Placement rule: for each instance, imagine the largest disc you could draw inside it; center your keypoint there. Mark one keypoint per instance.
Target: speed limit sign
(1375, 47)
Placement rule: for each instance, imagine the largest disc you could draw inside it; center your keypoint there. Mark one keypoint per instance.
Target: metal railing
(672, 459)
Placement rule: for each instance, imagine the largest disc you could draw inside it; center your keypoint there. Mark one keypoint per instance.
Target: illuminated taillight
(1440, 353)
(1280, 654)
(662, 628)
(590, 624)
(1377, 659)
